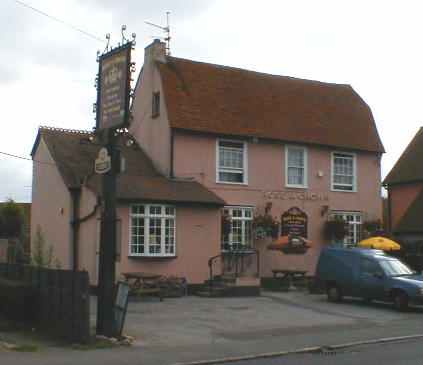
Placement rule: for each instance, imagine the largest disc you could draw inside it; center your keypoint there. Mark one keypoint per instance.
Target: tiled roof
(409, 166)
(412, 220)
(74, 157)
(217, 99)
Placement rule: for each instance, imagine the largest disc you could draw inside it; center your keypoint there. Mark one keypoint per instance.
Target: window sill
(343, 191)
(152, 257)
(231, 183)
(247, 251)
(303, 187)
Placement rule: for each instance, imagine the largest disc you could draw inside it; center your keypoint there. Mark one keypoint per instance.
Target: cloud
(155, 11)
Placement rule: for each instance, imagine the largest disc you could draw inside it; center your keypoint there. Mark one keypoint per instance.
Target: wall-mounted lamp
(324, 210)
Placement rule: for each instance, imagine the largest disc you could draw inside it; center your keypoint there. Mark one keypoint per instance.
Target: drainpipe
(172, 143)
(389, 212)
(74, 223)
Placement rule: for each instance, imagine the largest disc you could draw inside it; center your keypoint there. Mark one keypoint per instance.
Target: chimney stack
(156, 51)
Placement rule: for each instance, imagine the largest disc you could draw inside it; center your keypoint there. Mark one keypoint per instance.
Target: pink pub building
(210, 148)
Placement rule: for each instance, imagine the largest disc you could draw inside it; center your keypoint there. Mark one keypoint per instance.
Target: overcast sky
(47, 69)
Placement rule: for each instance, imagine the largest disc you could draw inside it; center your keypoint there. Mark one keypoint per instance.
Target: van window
(396, 268)
(369, 267)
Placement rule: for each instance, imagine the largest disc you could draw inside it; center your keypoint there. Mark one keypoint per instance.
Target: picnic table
(289, 274)
(142, 284)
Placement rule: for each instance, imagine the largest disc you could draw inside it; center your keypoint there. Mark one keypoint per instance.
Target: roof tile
(140, 181)
(225, 100)
(408, 167)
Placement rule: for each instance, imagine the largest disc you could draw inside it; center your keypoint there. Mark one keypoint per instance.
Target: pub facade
(212, 152)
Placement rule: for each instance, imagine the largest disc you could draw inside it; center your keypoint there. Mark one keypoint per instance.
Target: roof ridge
(64, 130)
(258, 72)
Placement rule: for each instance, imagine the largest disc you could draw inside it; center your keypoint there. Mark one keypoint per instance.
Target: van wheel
(334, 294)
(400, 301)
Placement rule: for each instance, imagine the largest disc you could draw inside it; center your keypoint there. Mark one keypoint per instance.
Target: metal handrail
(236, 254)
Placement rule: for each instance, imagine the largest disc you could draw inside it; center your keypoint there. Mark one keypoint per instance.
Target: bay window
(152, 230)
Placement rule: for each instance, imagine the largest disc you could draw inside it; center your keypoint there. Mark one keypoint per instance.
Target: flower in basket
(226, 223)
(335, 229)
(266, 226)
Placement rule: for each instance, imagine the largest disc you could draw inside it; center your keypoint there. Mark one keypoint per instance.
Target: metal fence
(57, 301)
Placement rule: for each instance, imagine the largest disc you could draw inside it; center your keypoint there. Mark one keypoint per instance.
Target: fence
(57, 301)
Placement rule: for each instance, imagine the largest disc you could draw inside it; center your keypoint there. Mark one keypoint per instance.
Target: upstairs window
(231, 162)
(343, 171)
(295, 167)
(156, 104)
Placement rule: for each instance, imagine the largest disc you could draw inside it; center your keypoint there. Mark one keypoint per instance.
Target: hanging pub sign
(114, 88)
(294, 222)
(103, 162)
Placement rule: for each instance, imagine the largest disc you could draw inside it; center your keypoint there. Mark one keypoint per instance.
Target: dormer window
(155, 104)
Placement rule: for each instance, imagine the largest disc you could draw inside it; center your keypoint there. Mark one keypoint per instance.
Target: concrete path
(188, 329)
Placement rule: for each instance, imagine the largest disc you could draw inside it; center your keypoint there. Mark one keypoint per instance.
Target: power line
(26, 158)
(59, 21)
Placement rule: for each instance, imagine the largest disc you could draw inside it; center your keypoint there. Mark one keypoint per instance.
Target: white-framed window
(240, 235)
(296, 167)
(344, 171)
(152, 230)
(231, 162)
(354, 221)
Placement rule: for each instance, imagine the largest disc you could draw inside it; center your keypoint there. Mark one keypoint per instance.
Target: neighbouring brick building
(405, 194)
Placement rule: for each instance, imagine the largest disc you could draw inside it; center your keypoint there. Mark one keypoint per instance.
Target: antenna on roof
(165, 29)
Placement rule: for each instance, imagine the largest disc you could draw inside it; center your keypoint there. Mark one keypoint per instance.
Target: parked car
(368, 274)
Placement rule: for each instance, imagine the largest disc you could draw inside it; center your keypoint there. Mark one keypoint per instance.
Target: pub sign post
(112, 115)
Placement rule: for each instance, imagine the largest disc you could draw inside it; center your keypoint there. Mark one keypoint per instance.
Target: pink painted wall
(153, 134)
(197, 239)
(193, 225)
(51, 207)
(89, 235)
(267, 173)
(401, 197)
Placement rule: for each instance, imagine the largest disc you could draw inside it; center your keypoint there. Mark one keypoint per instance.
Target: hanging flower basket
(226, 224)
(335, 229)
(265, 225)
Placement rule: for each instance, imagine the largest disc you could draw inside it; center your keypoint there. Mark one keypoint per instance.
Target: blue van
(368, 274)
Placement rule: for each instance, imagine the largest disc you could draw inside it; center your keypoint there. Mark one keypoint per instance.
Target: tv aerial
(166, 30)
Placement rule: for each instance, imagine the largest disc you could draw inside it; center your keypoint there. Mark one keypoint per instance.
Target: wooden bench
(290, 275)
(144, 284)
